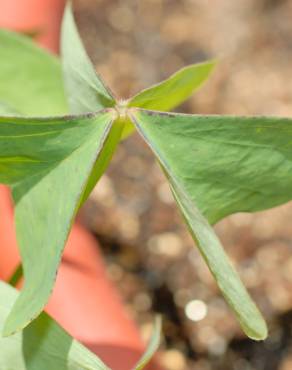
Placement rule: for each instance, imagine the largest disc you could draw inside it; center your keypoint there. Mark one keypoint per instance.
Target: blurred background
(150, 256)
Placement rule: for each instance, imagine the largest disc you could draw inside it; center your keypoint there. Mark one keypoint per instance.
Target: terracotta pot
(84, 301)
(37, 17)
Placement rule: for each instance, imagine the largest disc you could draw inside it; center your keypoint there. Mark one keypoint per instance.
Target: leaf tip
(11, 327)
(258, 331)
(212, 64)
(7, 330)
(15, 322)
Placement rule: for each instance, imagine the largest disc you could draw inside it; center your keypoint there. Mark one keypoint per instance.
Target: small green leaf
(47, 163)
(84, 88)
(170, 93)
(31, 79)
(177, 142)
(43, 345)
(152, 346)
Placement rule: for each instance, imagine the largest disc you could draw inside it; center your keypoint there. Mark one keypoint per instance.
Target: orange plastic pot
(84, 301)
(41, 18)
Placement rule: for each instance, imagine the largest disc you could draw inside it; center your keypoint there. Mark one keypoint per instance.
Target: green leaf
(7, 110)
(170, 93)
(43, 345)
(230, 164)
(84, 88)
(31, 79)
(47, 163)
(207, 156)
(86, 92)
(152, 346)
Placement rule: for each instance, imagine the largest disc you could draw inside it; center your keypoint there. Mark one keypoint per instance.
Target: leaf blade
(23, 64)
(233, 290)
(173, 91)
(230, 159)
(152, 347)
(85, 90)
(39, 158)
(167, 137)
(42, 345)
